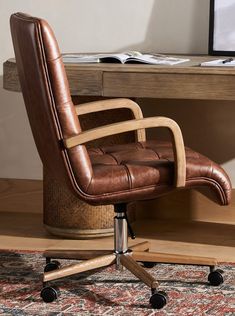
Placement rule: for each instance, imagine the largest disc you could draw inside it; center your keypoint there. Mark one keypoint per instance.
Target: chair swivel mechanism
(114, 174)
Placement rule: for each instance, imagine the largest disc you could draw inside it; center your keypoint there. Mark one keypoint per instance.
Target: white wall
(174, 26)
(110, 25)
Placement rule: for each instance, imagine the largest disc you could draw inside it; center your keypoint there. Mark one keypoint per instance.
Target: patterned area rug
(108, 292)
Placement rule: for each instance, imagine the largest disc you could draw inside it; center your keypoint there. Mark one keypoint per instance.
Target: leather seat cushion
(143, 165)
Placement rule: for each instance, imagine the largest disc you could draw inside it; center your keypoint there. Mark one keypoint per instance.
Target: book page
(112, 58)
(80, 58)
(89, 58)
(156, 59)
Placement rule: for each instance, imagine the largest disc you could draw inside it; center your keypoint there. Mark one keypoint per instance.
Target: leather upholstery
(147, 169)
(104, 175)
(46, 94)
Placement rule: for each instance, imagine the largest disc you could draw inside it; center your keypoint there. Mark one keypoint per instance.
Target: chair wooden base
(101, 258)
(94, 259)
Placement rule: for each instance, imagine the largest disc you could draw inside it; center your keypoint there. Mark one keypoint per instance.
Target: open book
(124, 58)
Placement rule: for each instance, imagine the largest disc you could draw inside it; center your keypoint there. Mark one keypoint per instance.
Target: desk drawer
(169, 86)
(84, 82)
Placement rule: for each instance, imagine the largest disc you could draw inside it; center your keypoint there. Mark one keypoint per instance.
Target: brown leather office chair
(116, 174)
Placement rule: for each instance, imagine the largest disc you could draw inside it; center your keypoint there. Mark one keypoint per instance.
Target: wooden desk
(183, 81)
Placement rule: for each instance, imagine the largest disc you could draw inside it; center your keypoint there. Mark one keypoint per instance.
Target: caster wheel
(149, 265)
(49, 294)
(158, 300)
(53, 265)
(215, 278)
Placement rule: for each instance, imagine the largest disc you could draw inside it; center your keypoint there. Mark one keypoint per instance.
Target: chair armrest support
(110, 104)
(126, 126)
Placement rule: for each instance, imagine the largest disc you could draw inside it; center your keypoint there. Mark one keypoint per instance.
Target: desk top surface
(191, 67)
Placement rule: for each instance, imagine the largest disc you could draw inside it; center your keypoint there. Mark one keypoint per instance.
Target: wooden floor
(25, 231)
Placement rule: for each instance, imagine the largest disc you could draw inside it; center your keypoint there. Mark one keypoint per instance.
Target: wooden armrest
(126, 126)
(111, 104)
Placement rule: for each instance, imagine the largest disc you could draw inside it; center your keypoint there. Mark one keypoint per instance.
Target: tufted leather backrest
(47, 98)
